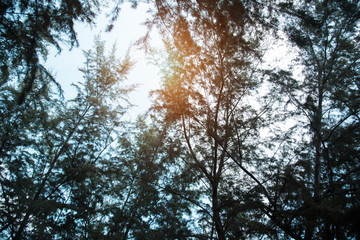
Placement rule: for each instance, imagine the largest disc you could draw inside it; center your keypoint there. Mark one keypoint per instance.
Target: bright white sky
(127, 30)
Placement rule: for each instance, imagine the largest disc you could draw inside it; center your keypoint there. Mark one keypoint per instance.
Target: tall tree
(319, 193)
(51, 163)
(212, 48)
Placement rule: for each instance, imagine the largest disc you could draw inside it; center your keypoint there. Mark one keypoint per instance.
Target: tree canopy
(233, 147)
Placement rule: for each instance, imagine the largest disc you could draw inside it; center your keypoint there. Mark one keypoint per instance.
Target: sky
(127, 30)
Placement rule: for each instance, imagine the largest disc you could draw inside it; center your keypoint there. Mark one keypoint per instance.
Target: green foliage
(228, 151)
(51, 152)
(28, 28)
(208, 81)
(325, 33)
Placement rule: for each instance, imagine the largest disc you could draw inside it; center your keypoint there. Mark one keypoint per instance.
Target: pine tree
(319, 192)
(208, 81)
(52, 183)
(147, 199)
(27, 30)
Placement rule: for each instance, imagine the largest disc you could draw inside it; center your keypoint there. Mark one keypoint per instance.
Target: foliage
(51, 173)
(207, 90)
(229, 149)
(320, 198)
(28, 28)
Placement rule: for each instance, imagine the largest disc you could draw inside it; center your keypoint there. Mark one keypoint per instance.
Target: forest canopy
(234, 146)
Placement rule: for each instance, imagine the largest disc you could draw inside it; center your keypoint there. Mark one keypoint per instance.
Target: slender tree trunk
(327, 231)
(317, 143)
(316, 127)
(216, 213)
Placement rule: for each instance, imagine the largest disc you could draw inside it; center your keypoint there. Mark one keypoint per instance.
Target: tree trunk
(216, 213)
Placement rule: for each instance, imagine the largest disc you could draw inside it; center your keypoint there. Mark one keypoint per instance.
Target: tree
(208, 80)
(51, 165)
(320, 190)
(29, 27)
(19, 144)
(147, 196)
(229, 150)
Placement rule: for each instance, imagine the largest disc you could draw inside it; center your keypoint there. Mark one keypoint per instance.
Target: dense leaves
(327, 38)
(51, 152)
(232, 148)
(28, 27)
(208, 86)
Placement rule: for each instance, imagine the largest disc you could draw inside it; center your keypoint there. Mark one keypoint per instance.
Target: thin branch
(237, 163)
(198, 163)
